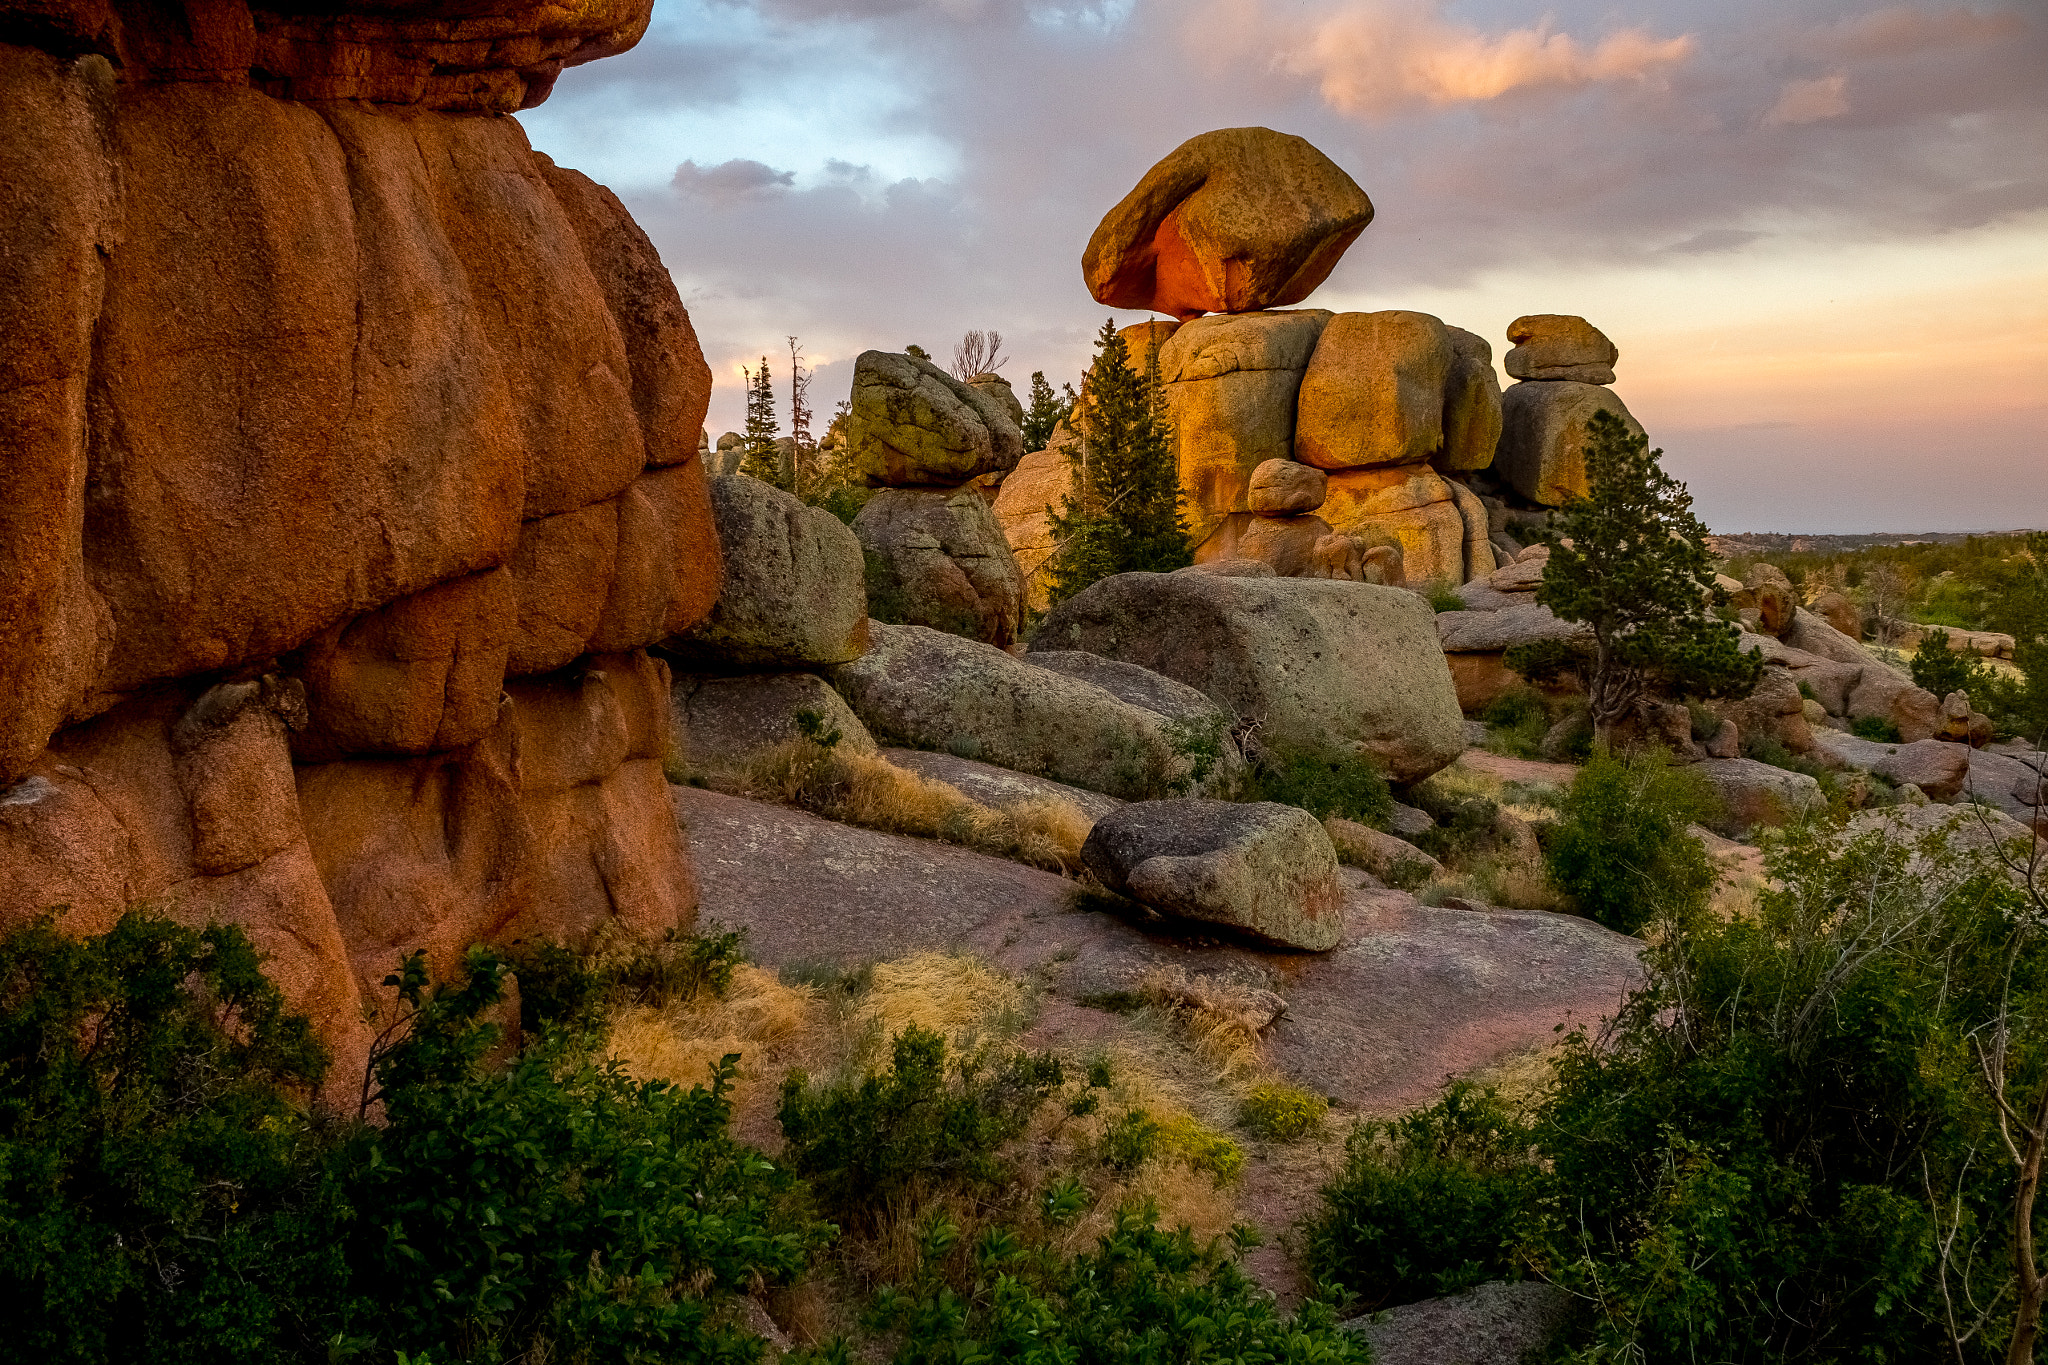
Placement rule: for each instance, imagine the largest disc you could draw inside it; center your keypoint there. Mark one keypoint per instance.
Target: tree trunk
(2026, 1324)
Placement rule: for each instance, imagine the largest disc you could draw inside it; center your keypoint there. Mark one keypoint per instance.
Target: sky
(1817, 230)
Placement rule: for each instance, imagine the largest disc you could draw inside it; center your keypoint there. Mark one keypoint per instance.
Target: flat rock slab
(1490, 1324)
(1412, 995)
(999, 787)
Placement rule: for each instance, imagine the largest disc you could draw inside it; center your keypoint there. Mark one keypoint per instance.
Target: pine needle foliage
(1124, 514)
(758, 456)
(1631, 561)
(1046, 412)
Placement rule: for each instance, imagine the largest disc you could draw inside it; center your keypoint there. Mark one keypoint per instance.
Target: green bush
(1516, 722)
(1942, 670)
(1279, 1112)
(1430, 1203)
(1142, 1297)
(1620, 848)
(562, 989)
(926, 1123)
(1353, 790)
(160, 1195)
(1465, 822)
(1442, 596)
(165, 1195)
(1876, 728)
(1766, 1154)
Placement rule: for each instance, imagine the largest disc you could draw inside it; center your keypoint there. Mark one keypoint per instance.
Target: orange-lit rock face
(1231, 221)
(470, 55)
(347, 469)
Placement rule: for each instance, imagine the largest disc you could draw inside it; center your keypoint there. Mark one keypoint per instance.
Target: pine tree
(1631, 561)
(1047, 411)
(758, 455)
(1124, 514)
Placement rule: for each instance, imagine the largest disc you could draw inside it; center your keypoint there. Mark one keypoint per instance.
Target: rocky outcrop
(1326, 670)
(315, 388)
(925, 689)
(913, 425)
(1230, 221)
(792, 595)
(937, 557)
(1263, 869)
(1413, 506)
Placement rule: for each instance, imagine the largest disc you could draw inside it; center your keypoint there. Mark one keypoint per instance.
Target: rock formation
(1283, 531)
(1230, 222)
(352, 465)
(1564, 364)
(937, 555)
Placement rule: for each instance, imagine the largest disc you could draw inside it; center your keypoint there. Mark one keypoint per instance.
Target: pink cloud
(1810, 101)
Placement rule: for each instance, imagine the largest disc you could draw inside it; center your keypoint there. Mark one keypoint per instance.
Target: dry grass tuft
(773, 1026)
(1221, 1018)
(869, 791)
(1523, 1079)
(962, 999)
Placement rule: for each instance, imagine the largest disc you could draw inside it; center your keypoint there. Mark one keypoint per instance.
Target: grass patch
(1516, 722)
(1442, 595)
(1279, 1112)
(1876, 728)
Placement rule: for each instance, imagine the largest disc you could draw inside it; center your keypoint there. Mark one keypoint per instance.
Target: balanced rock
(937, 557)
(1543, 437)
(1230, 221)
(1261, 868)
(1282, 488)
(794, 594)
(1471, 405)
(926, 689)
(913, 424)
(1231, 386)
(1373, 393)
(1559, 346)
(727, 720)
(1334, 672)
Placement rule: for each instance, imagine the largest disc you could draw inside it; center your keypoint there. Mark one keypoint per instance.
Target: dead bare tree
(804, 451)
(979, 352)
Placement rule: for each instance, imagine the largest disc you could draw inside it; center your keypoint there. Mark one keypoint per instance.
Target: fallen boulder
(793, 593)
(1265, 869)
(1753, 793)
(1327, 670)
(924, 689)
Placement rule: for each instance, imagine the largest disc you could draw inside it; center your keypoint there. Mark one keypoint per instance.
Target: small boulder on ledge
(1261, 868)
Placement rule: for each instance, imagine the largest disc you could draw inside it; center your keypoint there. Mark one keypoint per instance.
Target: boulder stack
(936, 554)
(1282, 530)
(1564, 364)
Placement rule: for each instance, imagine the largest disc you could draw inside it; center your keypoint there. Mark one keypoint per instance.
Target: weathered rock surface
(938, 557)
(1414, 992)
(794, 591)
(1373, 393)
(1139, 686)
(1042, 480)
(1411, 505)
(1281, 488)
(1260, 868)
(1289, 544)
(1001, 788)
(912, 424)
(1521, 624)
(1231, 388)
(1471, 404)
(1229, 222)
(1754, 793)
(1558, 346)
(925, 689)
(377, 405)
(998, 388)
(724, 721)
(1839, 612)
(1501, 1323)
(1543, 436)
(1380, 853)
(1336, 671)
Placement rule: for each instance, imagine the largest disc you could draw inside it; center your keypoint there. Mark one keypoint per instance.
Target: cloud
(1810, 101)
(731, 182)
(1714, 240)
(1379, 57)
